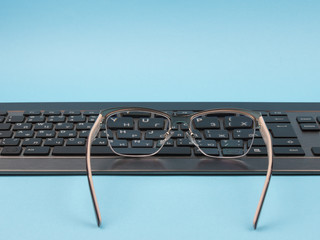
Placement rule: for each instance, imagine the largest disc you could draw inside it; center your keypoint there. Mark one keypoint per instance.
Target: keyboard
(50, 138)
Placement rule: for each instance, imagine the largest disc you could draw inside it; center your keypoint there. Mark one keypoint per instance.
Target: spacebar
(105, 151)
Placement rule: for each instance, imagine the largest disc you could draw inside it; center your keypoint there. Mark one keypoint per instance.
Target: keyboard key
(136, 114)
(174, 127)
(64, 126)
(184, 142)
(232, 151)
(238, 122)
(15, 119)
(5, 126)
(76, 142)
(91, 113)
(216, 134)
(309, 127)
(46, 134)
(9, 142)
(71, 113)
(36, 151)
(316, 151)
(52, 113)
(168, 143)
(76, 119)
(171, 113)
(206, 123)
(56, 119)
(3, 113)
(105, 151)
(151, 123)
(22, 126)
(32, 113)
(181, 113)
(288, 151)
(196, 134)
(209, 151)
(32, 142)
(128, 134)
(258, 151)
(84, 134)
(24, 134)
(67, 134)
(100, 142)
(84, 126)
(245, 134)
(277, 113)
(92, 119)
(231, 143)
(175, 151)
(142, 143)
(282, 131)
(7, 151)
(36, 119)
(120, 123)
(184, 126)
(5, 134)
(306, 119)
(207, 143)
(262, 113)
(276, 119)
(53, 142)
(43, 126)
(177, 134)
(70, 151)
(257, 142)
(1, 119)
(108, 132)
(293, 142)
(119, 143)
(155, 134)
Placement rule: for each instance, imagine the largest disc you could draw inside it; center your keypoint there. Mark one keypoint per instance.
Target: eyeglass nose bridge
(180, 119)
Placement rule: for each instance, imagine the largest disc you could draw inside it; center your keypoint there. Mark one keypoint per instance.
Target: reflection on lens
(136, 133)
(224, 134)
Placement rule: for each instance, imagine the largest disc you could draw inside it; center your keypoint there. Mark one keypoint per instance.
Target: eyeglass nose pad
(167, 136)
(191, 138)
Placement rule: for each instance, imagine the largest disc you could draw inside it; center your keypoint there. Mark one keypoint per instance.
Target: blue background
(159, 51)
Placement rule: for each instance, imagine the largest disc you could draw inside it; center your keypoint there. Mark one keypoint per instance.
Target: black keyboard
(50, 138)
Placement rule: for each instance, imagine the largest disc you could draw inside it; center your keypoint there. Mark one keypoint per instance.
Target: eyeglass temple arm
(93, 133)
(267, 139)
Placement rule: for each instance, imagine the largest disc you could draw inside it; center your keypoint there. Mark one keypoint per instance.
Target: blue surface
(159, 208)
(159, 51)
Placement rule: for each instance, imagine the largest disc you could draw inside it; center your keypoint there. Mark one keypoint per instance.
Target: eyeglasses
(209, 130)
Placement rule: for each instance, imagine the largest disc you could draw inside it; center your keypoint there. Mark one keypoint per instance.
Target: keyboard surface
(50, 138)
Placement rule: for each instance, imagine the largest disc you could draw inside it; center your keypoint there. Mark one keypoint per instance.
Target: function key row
(65, 113)
(272, 116)
(131, 114)
(56, 113)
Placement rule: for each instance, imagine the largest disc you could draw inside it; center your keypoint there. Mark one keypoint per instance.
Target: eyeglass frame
(258, 122)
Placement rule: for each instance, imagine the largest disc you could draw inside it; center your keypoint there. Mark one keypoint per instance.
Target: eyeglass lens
(223, 134)
(214, 134)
